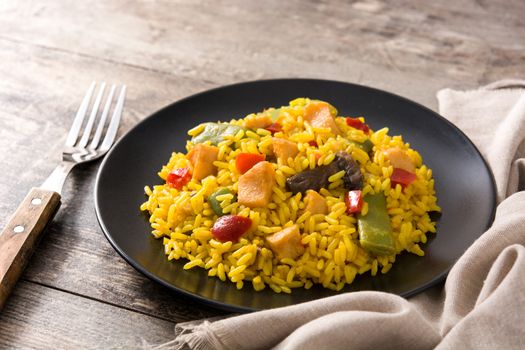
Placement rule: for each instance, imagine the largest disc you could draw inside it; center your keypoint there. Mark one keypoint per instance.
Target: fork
(19, 238)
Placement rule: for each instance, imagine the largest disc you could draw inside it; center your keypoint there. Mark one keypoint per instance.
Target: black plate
(464, 185)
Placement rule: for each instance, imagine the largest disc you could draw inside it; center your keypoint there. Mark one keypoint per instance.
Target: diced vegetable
(215, 204)
(286, 243)
(245, 161)
(317, 178)
(255, 121)
(366, 146)
(274, 127)
(255, 186)
(399, 159)
(178, 177)
(354, 201)
(284, 149)
(317, 113)
(375, 229)
(230, 227)
(315, 203)
(356, 123)
(201, 158)
(402, 177)
(215, 132)
(312, 143)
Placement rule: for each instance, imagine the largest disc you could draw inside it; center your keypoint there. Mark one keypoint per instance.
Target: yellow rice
(333, 256)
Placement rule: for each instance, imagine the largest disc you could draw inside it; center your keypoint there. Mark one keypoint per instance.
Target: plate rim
(237, 308)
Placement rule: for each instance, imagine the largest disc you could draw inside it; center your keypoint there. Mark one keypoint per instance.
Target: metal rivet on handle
(36, 201)
(18, 229)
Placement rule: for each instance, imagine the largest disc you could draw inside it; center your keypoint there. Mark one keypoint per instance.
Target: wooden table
(77, 292)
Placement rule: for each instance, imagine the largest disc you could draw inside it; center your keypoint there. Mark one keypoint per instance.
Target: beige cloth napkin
(482, 304)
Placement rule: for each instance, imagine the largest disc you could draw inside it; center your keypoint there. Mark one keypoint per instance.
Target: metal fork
(20, 236)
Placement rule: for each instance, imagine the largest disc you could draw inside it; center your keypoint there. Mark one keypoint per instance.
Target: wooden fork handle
(19, 238)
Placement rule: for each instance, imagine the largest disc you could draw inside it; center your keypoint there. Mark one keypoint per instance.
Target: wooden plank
(38, 317)
(462, 42)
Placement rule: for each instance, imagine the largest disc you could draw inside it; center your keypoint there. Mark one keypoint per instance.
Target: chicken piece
(399, 159)
(256, 121)
(201, 158)
(255, 186)
(317, 113)
(286, 243)
(284, 149)
(315, 203)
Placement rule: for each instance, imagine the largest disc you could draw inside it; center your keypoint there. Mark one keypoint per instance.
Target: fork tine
(79, 118)
(111, 133)
(103, 117)
(89, 125)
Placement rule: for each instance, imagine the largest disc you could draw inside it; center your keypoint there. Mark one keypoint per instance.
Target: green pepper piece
(215, 133)
(375, 230)
(215, 204)
(366, 146)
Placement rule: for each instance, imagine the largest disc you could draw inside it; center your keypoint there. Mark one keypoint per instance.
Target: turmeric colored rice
(331, 251)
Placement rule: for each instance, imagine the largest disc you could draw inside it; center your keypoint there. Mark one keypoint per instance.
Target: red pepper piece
(354, 201)
(312, 143)
(245, 161)
(178, 177)
(356, 123)
(402, 177)
(274, 127)
(230, 227)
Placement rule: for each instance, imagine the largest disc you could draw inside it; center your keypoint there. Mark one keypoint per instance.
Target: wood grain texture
(22, 233)
(250, 40)
(165, 50)
(77, 257)
(38, 317)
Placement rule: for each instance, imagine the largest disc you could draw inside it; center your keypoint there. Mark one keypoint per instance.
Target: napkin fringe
(189, 335)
